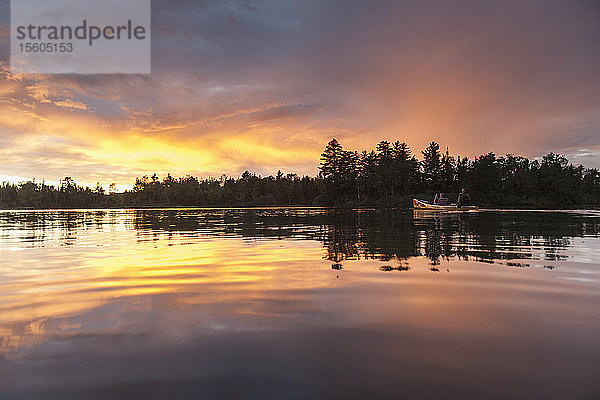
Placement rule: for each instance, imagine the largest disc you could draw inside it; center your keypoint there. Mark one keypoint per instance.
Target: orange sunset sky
(263, 85)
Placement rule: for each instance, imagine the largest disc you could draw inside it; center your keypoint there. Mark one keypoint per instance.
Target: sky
(264, 85)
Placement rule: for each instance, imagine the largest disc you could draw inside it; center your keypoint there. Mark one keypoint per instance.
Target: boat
(423, 205)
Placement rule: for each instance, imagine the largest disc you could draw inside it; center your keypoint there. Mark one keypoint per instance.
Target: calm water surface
(299, 303)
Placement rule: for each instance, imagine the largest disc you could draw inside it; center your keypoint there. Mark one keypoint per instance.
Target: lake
(299, 303)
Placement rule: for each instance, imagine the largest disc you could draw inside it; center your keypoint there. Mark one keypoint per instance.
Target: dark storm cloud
(498, 68)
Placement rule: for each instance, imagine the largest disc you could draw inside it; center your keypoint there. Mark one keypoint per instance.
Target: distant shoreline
(389, 176)
(536, 207)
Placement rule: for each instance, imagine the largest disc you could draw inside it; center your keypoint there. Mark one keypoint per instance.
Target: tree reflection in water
(388, 235)
(393, 235)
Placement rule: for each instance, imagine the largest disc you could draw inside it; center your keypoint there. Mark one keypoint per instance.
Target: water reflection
(300, 303)
(345, 234)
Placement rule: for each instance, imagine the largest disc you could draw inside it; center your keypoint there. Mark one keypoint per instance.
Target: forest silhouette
(388, 176)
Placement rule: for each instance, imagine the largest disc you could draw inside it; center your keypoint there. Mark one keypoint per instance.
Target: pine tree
(432, 166)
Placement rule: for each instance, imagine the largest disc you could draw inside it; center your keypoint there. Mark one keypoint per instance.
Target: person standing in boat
(463, 198)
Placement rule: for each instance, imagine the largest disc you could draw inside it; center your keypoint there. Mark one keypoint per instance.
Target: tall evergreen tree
(432, 167)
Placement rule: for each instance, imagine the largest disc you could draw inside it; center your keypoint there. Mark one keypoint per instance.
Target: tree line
(389, 175)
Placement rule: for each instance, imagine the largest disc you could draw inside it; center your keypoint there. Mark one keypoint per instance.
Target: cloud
(71, 104)
(264, 85)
